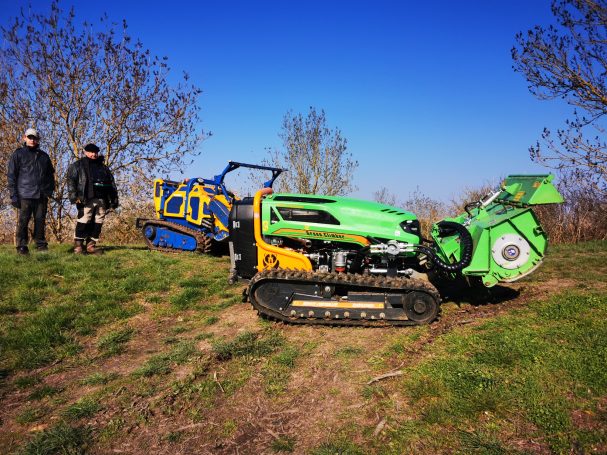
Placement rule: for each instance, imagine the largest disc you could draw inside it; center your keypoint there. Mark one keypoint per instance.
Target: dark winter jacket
(91, 178)
(30, 174)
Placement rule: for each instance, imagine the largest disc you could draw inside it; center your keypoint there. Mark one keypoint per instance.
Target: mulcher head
(508, 240)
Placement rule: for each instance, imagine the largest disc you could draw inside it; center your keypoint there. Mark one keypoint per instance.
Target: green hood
(337, 219)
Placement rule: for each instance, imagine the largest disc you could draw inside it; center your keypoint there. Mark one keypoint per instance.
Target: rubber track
(203, 243)
(352, 281)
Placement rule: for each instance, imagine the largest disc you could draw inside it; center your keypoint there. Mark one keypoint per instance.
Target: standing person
(31, 182)
(92, 188)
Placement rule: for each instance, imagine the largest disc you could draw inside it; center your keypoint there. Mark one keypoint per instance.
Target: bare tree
(7, 139)
(315, 156)
(385, 196)
(569, 61)
(427, 210)
(85, 83)
(468, 194)
(582, 217)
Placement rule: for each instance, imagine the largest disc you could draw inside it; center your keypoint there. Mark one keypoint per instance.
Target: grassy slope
(138, 351)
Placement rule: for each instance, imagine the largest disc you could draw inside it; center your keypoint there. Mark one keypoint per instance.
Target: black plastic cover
(242, 238)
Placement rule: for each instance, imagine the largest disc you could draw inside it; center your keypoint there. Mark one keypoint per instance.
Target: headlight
(411, 227)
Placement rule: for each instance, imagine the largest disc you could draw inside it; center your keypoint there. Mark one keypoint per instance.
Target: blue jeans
(37, 209)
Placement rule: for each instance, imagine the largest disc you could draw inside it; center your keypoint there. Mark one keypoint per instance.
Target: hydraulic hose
(450, 228)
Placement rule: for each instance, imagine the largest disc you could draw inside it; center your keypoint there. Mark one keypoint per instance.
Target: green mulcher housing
(335, 260)
(508, 240)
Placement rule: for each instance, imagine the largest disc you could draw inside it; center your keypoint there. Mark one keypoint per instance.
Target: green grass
(59, 439)
(230, 368)
(348, 351)
(178, 329)
(112, 429)
(373, 391)
(26, 382)
(188, 298)
(401, 343)
(249, 344)
(340, 446)
(84, 407)
(197, 289)
(113, 342)
(211, 320)
(43, 392)
(481, 442)
(163, 363)
(199, 393)
(277, 371)
(533, 373)
(563, 262)
(173, 436)
(29, 415)
(203, 336)
(283, 444)
(532, 367)
(48, 303)
(232, 365)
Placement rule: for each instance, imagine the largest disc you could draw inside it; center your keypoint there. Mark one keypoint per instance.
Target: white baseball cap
(32, 132)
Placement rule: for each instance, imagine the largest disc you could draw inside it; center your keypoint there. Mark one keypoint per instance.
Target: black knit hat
(91, 148)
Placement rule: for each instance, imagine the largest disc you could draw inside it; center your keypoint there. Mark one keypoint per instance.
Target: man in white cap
(31, 182)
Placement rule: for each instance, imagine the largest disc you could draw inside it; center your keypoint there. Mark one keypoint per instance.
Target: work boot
(90, 248)
(78, 246)
(23, 250)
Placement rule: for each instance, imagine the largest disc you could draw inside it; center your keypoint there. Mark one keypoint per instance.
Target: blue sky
(423, 91)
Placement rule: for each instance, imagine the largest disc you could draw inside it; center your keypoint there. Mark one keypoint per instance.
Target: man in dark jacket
(31, 181)
(92, 188)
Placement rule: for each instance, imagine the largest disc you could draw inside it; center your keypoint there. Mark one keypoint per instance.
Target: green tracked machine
(332, 260)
